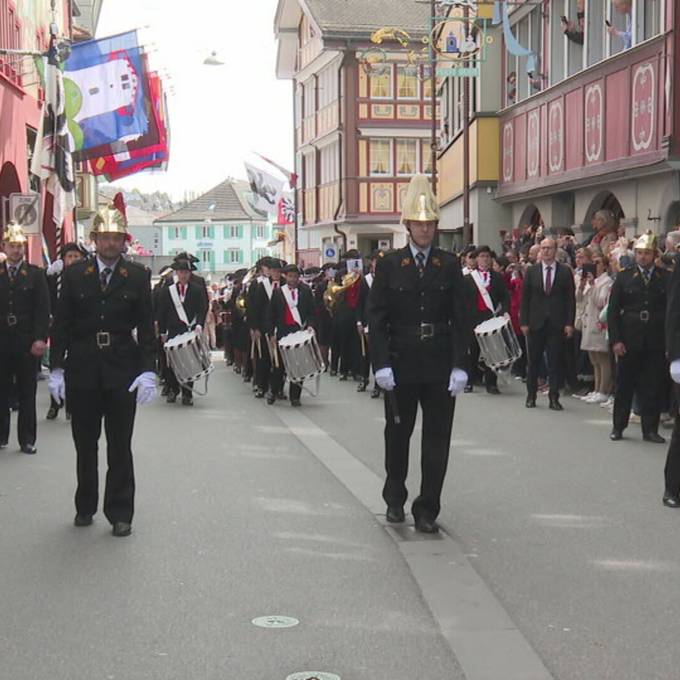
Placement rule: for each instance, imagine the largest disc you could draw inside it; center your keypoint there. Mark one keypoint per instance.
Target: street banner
(266, 191)
(286, 212)
(290, 176)
(105, 91)
(52, 159)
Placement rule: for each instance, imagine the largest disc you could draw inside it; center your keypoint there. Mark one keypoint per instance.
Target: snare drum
(189, 357)
(301, 356)
(498, 346)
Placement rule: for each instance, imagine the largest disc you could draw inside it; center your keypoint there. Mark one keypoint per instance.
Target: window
(204, 231)
(427, 82)
(407, 82)
(380, 81)
(426, 156)
(175, 233)
(233, 231)
(207, 258)
(259, 253)
(329, 163)
(407, 156)
(328, 86)
(309, 98)
(380, 157)
(233, 256)
(260, 231)
(595, 32)
(557, 40)
(310, 170)
(647, 19)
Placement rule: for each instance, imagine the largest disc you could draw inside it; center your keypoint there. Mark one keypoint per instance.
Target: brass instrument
(335, 290)
(241, 299)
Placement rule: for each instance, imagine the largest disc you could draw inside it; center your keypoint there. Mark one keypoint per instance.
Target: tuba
(335, 290)
(241, 299)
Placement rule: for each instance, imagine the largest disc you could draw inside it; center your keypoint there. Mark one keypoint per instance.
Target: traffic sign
(25, 210)
(330, 253)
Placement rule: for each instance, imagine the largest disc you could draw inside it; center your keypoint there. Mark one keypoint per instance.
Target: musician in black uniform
(324, 321)
(291, 309)
(70, 254)
(166, 275)
(363, 327)
(636, 322)
(106, 369)
(495, 301)
(182, 307)
(24, 327)
(419, 334)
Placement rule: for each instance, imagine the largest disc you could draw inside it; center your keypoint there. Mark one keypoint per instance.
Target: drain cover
(276, 622)
(313, 675)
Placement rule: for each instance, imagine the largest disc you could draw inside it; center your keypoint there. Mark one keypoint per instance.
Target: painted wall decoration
(556, 136)
(594, 133)
(644, 106)
(533, 143)
(508, 151)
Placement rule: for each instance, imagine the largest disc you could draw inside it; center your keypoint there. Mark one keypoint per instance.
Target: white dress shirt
(101, 267)
(553, 271)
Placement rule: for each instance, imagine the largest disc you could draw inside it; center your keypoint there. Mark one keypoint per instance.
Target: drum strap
(369, 280)
(292, 305)
(268, 287)
(179, 307)
(477, 278)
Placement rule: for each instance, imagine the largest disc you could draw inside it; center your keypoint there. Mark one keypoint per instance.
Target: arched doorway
(673, 216)
(605, 200)
(531, 217)
(9, 184)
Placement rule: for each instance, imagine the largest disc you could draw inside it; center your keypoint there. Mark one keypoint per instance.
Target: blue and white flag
(105, 92)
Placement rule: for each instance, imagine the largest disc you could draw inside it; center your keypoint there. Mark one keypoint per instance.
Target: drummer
(488, 297)
(291, 309)
(182, 306)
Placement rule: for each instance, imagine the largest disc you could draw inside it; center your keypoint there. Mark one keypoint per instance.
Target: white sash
(292, 304)
(369, 280)
(479, 282)
(179, 307)
(268, 286)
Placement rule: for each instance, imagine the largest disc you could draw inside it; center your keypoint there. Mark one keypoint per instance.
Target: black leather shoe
(3, 445)
(361, 387)
(165, 391)
(555, 404)
(671, 500)
(395, 515)
(187, 400)
(30, 449)
(281, 396)
(530, 402)
(171, 398)
(375, 394)
(616, 435)
(82, 521)
(343, 376)
(467, 389)
(333, 373)
(295, 402)
(493, 390)
(52, 413)
(654, 438)
(121, 529)
(426, 526)
(259, 393)
(68, 415)
(271, 398)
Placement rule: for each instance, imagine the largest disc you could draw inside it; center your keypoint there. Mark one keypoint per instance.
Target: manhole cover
(275, 622)
(313, 675)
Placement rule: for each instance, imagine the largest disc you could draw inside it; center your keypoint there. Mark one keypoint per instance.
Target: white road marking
(637, 565)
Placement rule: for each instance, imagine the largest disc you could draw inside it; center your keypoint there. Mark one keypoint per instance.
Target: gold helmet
(109, 220)
(14, 234)
(646, 242)
(420, 203)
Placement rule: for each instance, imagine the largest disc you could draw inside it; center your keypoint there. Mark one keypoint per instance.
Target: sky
(219, 115)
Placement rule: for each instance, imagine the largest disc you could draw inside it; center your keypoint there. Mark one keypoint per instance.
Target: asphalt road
(237, 519)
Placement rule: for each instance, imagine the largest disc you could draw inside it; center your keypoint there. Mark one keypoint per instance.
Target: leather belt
(423, 331)
(643, 315)
(12, 320)
(107, 339)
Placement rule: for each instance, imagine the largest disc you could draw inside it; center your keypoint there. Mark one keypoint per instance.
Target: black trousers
(173, 385)
(116, 408)
(365, 364)
(551, 340)
(438, 408)
(18, 370)
(346, 344)
(479, 371)
(263, 364)
(672, 469)
(642, 373)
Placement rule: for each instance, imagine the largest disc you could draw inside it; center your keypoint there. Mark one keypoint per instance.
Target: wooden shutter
(183, 231)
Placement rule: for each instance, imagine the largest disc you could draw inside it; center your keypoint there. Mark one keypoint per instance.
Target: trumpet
(335, 290)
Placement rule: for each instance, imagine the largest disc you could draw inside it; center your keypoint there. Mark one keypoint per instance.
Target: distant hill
(157, 202)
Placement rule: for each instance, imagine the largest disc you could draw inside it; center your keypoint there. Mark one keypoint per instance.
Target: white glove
(457, 381)
(56, 384)
(675, 370)
(145, 384)
(57, 267)
(385, 379)
(198, 328)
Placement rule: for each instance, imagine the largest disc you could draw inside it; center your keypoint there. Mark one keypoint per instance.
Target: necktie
(104, 277)
(182, 291)
(12, 273)
(420, 259)
(548, 280)
(294, 292)
(647, 275)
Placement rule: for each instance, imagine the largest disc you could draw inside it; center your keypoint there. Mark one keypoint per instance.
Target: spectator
(574, 30)
(626, 35)
(594, 337)
(579, 370)
(605, 228)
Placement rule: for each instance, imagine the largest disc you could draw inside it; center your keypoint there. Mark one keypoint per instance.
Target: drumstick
(259, 347)
(394, 406)
(363, 345)
(252, 349)
(273, 351)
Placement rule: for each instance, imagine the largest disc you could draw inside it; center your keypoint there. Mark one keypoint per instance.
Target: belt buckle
(426, 331)
(644, 316)
(103, 339)
(12, 320)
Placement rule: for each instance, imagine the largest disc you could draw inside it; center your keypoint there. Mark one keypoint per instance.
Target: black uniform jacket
(498, 292)
(631, 301)
(362, 307)
(84, 310)
(257, 302)
(24, 308)
(557, 309)
(195, 305)
(400, 301)
(673, 315)
(276, 312)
